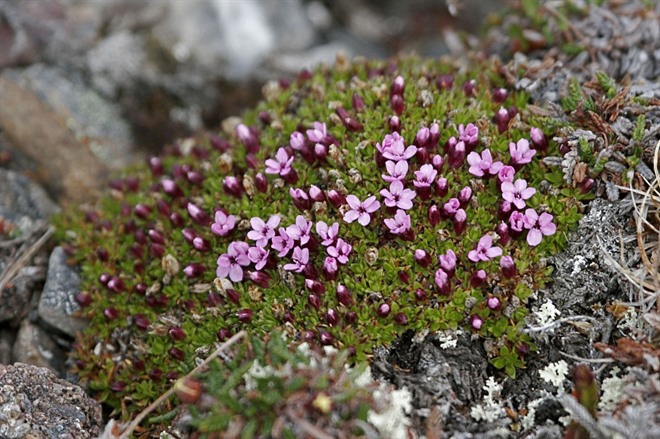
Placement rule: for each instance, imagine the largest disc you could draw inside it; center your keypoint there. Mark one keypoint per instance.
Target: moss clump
(227, 233)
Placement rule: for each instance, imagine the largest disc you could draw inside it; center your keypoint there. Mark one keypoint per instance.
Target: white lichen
(547, 313)
(555, 374)
(446, 339)
(393, 421)
(492, 408)
(612, 387)
(255, 372)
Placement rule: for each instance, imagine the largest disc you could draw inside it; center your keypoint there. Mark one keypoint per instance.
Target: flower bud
(156, 166)
(403, 275)
(232, 186)
(193, 270)
(422, 257)
(358, 102)
(111, 313)
(314, 301)
(476, 322)
(420, 295)
(499, 95)
(398, 86)
(331, 317)
(502, 231)
(300, 199)
(315, 286)
(397, 104)
(395, 124)
(442, 282)
(171, 188)
(470, 87)
(350, 317)
(478, 278)
(508, 267)
(464, 196)
(460, 221)
(445, 82)
(83, 299)
(320, 152)
(384, 310)
(336, 198)
(457, 155)
(176, 219)
(244, 315)
(142, 210)
(502, 120)
(438, 161)
(176, 333)
(316, 194)
(422, 156)
(343, 295)
(176, 353)
(494, 303)
(260, 278)
(441, 187)
(223, 334)
(141, 321)
(261, 182)
(198, 215)
(326, 338)
(422, 137)
(116, 284)
(539, 140)
(587, 185)
(219, 144)
(401, 319)
(157, 250)
(233, 296)
(434, 215)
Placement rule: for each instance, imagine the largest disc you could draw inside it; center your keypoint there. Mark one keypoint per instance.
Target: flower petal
(534, 237)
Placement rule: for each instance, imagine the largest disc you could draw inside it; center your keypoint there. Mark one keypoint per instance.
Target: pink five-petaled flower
(327, 233)
(538, 226)
(300, 230)
(297, 141)
(397, 170)
(388, 141)
(400, 224)
(223, 224)
(361, 211)
(483, 164)
(394, 148)
(484, 250)
(258, 256)
(468, 134)
(425, 176)
(282, 242)
(520, 152)
(506, 174)
(300, 259)
(231, 263)
(318, 133)
(448, 261)
(517, 192)
(398, 196)
(517, 221)
(340, 251)
(281, 164)
(262, 232)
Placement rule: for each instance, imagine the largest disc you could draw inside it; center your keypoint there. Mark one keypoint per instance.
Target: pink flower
(330, 267)
(231, 263)
(282, 242)
(360, 211)
(394, 148)
(468, 134)
(397, 170)
(517, 192)
(327, 233)
(425, 176)
(318, 133)
(262, 232)
(448, 261)
(297, 141)
(516, 221)
(388, 141)
(483, 164)
(398, 196)
(300, 259)
(451, 206)
(223, 224)
(442, 281)
(300, 230)
(521, 153)
(506, 174)
(340, 251)
(400, 224)
(281, 164)
(258, 256)
(484, 250)
(538, 226)
(476, 322)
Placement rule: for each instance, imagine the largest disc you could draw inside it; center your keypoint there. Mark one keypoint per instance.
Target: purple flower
(318, 133)
(483, 164)
(281, 164)
(476, 322)
(231, 263)
(538, 226)
(388, 141)
(300, 198)
(451, 206)
(300, 259)
(448, 261)
(297, 141)
(360, 211)
(468, 134)
(327, 233)
(282, 242)
(340, 251)
(520, 152)
(442, 281)
(425, 176)
(262, 232)
(300, 230)
(485, 250)
(330, 267)
(400, 224)
(506, 174)
(493, 302)
(223, 224)
(516, 221)
(398, 196)
(517, 192)
(258, 256)
(397, 170)
(394, 148)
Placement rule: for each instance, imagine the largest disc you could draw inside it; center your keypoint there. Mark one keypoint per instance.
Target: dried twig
(556, 323)
(17, 264)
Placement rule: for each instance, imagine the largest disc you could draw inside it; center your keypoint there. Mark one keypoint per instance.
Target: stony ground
(62, 84)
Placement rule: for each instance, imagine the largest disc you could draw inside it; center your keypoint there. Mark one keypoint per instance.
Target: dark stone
(35, 403)
(57, 305)
(21, 197)
(33, 346)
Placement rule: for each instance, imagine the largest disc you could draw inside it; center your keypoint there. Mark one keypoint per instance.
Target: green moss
(120, 360)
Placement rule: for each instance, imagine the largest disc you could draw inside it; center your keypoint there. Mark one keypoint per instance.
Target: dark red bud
(502, 231)
(434, 215)
(336, 198)
(214, 299)
(83, 299)
(384, 310)
(102, 254)
(195, 178)
(232, 186)
(201, 244)
(244, 315)
(288, 317)
(358, 102)
(171, 188)
(420, 295)
(116, 284)
(155, 374)
(308, 335)
(314, 301)
(587, 185)
(141, 321)
(176, 353)
(344, 295)
(252, 161)
(223, 334)
(445, 82)
(265, 117)
(470, 87)
(261, 182)
(189, 234)
(315, 286)
(395, 124)
(142, 211)
(350, 317)
(177, 333)
(331, 317)
(404, 276)
(163, 207)
(117, 386)
(401, 319)
(232, 295)
(326, 338)
(156, 236)
(499, 95)
(478, 278)
(176, 219)
(316, 193)
(156, 166)
(198, 215)
(397, 104)
(194, 270)
(111, 313)
(219, 144)
(423, 157)
(260, 278)
(157, 251)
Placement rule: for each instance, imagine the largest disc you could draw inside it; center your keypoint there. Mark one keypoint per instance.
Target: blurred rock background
(88, 86)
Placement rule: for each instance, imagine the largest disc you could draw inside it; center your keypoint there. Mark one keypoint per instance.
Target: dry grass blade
(17, 264)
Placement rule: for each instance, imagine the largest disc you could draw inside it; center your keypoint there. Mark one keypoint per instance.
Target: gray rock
(33, 346)
(35, 403)
(15, 298)
(21, 197)
(57, 305)
(6, 342)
